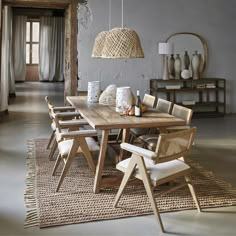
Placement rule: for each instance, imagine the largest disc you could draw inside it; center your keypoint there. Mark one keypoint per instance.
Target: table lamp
(165, 49)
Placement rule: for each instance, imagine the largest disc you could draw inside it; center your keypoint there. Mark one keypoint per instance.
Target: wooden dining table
(104, 118)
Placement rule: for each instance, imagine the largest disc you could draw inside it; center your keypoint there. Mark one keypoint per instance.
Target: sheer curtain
(51, 48)
(19, 46)
(5, 59)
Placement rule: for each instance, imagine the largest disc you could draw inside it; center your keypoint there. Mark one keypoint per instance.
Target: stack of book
(173, 86)
(210, 85)
(200, 86)
(188, 102)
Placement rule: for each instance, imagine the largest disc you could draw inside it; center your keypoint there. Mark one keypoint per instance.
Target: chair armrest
(138, 150)
(178, 128)
(78, 133)
(66, 114)
(71, 123)
(64, 109)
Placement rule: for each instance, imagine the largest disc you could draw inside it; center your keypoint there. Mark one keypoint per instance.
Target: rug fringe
(32, 216)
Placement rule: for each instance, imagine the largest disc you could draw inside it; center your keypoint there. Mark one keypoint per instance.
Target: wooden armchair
(150, 141)
(155, 168)
(63, 126)
(149, 101)
(75, 144)
(64, 112)
(162, 106)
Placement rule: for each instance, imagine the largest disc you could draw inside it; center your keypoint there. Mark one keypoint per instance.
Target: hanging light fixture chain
(122, 14)
(109, 15)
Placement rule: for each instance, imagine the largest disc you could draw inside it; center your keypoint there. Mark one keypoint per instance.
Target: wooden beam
(56, 4)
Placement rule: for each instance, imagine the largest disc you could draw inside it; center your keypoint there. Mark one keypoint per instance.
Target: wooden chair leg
(59, 157)
(192, 191)
(84, 146)
(119, 135)
(131, 138)
(149, 191)
(53, 149)
(64, 171)
(68, 161)
(51, 139)
(125, 180)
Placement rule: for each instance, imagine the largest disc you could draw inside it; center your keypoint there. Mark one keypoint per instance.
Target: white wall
(155, 20)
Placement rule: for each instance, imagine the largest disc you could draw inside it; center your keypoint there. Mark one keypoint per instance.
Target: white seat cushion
(57, 134)
(65, 146)
(157, 171)
(53, 126)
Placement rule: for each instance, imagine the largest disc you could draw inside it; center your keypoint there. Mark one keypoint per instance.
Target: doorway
(71, 24)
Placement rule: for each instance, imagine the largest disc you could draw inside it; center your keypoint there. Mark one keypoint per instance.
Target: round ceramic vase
(94, 91)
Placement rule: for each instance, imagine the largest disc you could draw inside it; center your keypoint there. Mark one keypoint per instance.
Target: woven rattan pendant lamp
(100, 39)
(122, 43)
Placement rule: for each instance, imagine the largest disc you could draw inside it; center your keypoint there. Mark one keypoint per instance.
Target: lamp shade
(122, 43)
(98, 44)
(165, 48)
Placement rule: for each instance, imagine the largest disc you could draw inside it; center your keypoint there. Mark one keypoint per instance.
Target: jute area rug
(76, 203)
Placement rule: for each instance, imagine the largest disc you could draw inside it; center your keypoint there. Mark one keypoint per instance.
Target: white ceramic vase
(94, 91)
(195, 63)
(178, 65)
(172, 67)
(123, 97)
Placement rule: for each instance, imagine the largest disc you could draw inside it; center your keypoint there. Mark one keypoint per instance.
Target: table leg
(125, 139)
(100, 164)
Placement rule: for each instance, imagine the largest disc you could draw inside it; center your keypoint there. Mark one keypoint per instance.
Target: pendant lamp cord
(109, 15)
(122, 13)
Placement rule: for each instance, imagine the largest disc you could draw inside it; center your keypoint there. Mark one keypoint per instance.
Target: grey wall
(155, 20)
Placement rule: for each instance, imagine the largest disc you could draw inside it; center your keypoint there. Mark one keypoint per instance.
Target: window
(32, 42)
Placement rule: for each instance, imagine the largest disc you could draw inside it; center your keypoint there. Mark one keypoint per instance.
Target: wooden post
(0, 40)
(71, 69)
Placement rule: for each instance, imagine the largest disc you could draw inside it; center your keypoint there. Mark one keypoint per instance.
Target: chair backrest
(50, 106)
(183, 113)
(172, 146)
(49, 103)
(149, 100)
(163, 105)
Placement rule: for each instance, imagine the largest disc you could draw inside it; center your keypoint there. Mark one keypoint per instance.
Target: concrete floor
(215, 148)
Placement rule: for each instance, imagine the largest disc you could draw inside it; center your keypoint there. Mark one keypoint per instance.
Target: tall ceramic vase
(186, 61)
(94, 91)
(123, 98)
(201, 67)
(172, 67)
(178, 65)
(195, 63)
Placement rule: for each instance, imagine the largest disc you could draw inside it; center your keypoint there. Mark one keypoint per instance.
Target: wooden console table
(208, 94)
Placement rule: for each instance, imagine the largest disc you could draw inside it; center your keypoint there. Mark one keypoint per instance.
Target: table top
(105, 117)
